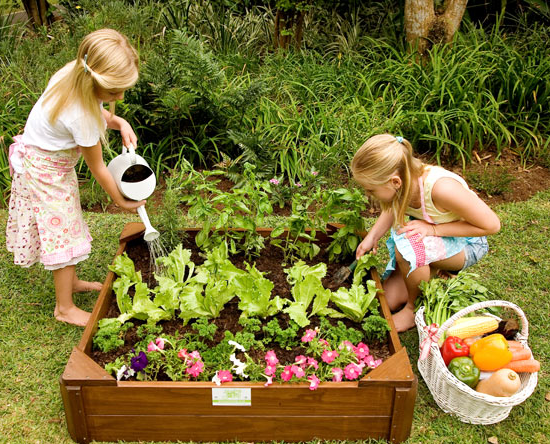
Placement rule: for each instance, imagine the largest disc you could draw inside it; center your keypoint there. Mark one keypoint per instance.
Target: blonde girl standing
(45, 221)
(447, 227)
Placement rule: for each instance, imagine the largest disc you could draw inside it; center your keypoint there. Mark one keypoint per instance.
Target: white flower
(217, 379)
(238, 366)
(124, 372)
(236, 345)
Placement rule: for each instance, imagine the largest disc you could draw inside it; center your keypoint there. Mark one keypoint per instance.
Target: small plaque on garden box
(231, 396)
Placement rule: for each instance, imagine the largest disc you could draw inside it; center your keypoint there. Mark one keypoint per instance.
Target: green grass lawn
(34, 348)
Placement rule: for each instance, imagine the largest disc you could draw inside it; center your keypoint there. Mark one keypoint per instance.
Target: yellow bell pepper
(495, 340)
(491, 358)
(491, 352)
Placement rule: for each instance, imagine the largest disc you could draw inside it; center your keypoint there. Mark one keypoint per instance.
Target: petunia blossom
(183, 355)
(237, 345)
(300, 360)
(274, 181)
(195, 354)
(329, 355)
(225, 376)
(270, 370)
(347, 345)
(313, 363)
(310, 334)
(151, 347)
(297, 371)
(271, 358)
(286, 374)
(160, 343)
(139, 362)
(352, 371)
(313, 382)
(361, 350)
(337, 374)
(269, 381)
(196, 369)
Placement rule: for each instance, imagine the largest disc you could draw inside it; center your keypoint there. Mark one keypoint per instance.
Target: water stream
(156, 250)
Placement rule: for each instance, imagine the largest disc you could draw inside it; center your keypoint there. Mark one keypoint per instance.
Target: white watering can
(136, 181)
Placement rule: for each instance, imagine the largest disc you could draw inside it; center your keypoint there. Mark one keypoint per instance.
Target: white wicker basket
(455, 397)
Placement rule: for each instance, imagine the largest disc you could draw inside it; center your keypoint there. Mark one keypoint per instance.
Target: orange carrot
(514, 345)
(524, 366)
(520, 355)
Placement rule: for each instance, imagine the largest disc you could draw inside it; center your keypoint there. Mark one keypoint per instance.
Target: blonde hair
(105, 60)
(382, 157)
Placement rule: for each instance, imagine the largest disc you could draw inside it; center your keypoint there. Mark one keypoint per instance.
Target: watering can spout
(150, 233)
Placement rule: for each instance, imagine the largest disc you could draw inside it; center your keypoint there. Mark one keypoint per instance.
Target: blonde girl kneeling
(447, 227)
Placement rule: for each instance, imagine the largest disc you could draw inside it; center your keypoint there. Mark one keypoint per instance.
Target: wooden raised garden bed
(98, 407)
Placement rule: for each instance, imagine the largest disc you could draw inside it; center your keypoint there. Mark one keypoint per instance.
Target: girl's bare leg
(395, 290)
(65, 309)
(80, 286)
(404, 319)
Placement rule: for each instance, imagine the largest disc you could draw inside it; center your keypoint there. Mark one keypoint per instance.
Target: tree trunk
(425, 28)
(288, 23)
(37, 11)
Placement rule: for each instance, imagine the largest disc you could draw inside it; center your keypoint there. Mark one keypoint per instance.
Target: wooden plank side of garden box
(98, 407)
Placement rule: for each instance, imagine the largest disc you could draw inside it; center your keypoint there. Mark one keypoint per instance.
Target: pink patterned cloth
(45, 222)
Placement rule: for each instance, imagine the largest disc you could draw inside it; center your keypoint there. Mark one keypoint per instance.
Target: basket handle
(485, 304)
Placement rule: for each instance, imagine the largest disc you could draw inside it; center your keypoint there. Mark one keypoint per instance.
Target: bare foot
(404, 319)
(80, 286)
(73, 315)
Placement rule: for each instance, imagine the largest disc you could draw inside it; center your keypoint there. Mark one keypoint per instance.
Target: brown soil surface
(269, 263)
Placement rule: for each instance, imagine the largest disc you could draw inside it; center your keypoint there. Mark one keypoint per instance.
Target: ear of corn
(472, 326)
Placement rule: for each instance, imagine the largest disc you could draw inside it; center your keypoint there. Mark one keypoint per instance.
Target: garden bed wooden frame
(98, 407)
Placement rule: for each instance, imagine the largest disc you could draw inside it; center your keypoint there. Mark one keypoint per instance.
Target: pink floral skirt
(45, 222)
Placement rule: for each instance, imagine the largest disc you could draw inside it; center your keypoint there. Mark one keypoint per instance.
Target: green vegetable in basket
(464, 370)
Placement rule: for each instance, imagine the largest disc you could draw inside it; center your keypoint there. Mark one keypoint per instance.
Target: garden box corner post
(98, 407)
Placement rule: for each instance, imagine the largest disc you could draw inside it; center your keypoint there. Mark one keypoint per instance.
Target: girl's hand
(367, 244)
(130, 205)
(127, 134)
(418, 227)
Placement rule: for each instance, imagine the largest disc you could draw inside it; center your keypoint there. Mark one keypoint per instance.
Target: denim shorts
(476, 248)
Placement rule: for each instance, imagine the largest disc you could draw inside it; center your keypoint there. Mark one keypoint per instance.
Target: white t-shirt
(73, 126)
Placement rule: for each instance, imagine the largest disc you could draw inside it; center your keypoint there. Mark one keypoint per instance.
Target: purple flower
(139, 362)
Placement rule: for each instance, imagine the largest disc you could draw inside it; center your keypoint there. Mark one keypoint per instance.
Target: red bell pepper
(454, 347)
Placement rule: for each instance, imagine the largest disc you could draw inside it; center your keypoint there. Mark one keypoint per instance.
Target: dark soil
(270, 263)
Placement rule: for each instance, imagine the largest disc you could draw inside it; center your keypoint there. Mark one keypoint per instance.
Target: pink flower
(300, 360)
(298, 184)
(274, 181)
(338, 373)
(313, 363)
(313, 382)
(286, 374)
(297, 371)
(269, 381)
(324, 342)
(196, 369)
(151, 347)
(328, 356)
(195, 354)
(352, 371)
(160, 343)
(183, 355)
(310, 334)
(361, 350)
(270, 370)
(225, 376)
(314, 173)
(271, 358)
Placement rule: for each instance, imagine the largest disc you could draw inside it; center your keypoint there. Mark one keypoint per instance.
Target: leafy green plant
(307, 290)
(442, 298)
(110, 334)
(285, 337)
